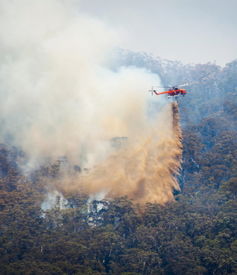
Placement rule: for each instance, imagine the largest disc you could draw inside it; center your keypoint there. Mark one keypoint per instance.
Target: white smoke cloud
(58, 96)
(54, 199)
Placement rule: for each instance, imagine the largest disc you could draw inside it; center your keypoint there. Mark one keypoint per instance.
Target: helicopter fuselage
(172, 92)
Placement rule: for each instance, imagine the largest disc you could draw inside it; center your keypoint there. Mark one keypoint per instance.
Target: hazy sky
(191, 31)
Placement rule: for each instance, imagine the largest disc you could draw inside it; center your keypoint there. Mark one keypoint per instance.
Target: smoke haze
(144, 169)
(59, 98)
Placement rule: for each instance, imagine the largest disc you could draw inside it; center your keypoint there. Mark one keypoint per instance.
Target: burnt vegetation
(196, 234)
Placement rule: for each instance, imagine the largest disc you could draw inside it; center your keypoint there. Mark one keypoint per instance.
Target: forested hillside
(196, 234)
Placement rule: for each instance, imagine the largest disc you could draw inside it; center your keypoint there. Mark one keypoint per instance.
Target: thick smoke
(144, 169)
(59, 98)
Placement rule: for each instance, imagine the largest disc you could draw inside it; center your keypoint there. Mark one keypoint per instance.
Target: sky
(191, 31)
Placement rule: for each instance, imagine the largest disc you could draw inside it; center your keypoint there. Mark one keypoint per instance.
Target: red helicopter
(172, 92)
(175, 91)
